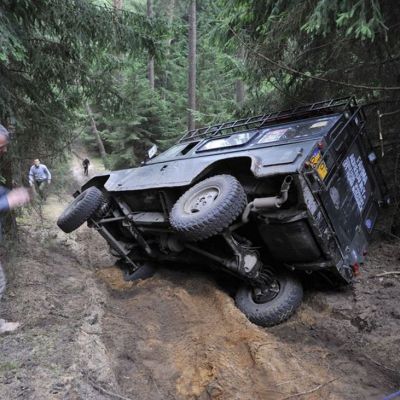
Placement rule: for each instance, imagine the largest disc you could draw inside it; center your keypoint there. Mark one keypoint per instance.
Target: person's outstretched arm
(10, 199)
(4, 206)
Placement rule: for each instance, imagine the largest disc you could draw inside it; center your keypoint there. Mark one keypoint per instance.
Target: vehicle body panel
(285, 158)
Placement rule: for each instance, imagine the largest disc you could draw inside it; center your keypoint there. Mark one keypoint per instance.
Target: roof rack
(322, 107)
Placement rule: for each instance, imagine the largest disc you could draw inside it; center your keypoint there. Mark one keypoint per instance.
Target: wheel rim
(264, 296)
(201, 200)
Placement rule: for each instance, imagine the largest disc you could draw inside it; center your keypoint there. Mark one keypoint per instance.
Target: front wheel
(80, 210)
(275, 304)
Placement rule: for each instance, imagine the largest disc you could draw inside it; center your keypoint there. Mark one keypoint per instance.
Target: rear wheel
(80, 210)
(272, 305)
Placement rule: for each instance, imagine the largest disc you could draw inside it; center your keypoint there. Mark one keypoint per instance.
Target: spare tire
(80, 210)
(208, 207)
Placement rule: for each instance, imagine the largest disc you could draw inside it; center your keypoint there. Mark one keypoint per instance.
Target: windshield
(234, 140)
(169, 153)
(297, 130)
(292, 131)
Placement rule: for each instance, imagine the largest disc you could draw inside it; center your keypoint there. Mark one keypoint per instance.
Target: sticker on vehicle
(319, 164)
(357, 178)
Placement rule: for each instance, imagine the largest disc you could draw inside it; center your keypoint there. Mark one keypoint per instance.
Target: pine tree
(192, 65)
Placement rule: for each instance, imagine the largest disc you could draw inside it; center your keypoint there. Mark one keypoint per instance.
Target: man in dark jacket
(9, 199)
(85, 164)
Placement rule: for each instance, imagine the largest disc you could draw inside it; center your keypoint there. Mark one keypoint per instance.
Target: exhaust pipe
(264, 203)
(275, 201)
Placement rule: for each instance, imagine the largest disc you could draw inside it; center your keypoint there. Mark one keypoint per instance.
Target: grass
(8, 366)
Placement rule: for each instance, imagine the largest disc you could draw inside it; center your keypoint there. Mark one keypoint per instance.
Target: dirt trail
(87, 334)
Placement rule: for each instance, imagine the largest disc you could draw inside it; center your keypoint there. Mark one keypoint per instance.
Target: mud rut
(87, 334)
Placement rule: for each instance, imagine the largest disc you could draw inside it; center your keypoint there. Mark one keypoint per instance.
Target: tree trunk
(169, 13)
(150, 66)
(170, 17)
(240, 88)
(118, 4)
(192, 65)
(8, 223)
(96, 134)
(240, 93)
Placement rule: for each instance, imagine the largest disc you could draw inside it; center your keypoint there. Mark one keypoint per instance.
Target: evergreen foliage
(135, 116)
(47, 50)
(328, 48)
(56, 56)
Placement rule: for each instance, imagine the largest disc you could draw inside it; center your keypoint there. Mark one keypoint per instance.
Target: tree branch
(309, 391)
(304, 75)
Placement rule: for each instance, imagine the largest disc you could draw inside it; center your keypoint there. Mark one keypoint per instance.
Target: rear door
(349, 198)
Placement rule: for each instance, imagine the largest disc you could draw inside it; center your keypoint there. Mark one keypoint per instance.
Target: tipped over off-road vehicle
(272, 200)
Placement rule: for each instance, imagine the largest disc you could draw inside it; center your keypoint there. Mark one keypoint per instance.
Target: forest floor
(87, 334)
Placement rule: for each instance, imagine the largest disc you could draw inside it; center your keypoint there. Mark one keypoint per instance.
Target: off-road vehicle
(270, 199)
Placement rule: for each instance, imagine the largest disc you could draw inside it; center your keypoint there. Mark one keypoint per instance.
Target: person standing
(9, 199)
(39, 177)
(85, 164)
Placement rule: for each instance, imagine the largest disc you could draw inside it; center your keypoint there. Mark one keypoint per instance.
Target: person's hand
(18, 197)
(48, 182)
(31, 184)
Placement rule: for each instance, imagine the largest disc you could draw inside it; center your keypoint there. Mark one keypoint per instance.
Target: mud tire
(215, 217)
(80, 210)
(2, 281)
(278, 309)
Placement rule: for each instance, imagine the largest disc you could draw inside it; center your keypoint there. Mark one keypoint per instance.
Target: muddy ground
(87, 334)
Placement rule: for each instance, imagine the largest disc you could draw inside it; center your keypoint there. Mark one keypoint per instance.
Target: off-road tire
(227, 206)
(80, 210)
(276, 310)
(2, 281)
(146, 270)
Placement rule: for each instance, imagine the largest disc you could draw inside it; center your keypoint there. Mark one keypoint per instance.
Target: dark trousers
(40, 187)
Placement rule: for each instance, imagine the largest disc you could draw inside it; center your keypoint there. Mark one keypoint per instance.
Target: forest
(141, 75)
(106, 80)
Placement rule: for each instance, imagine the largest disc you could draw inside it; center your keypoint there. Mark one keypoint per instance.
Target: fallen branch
(309, 391)
(380, 365)
(105, 391)
(387, 273)
(289, 381)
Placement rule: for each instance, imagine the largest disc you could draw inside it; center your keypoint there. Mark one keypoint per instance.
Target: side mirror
(152, 151)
